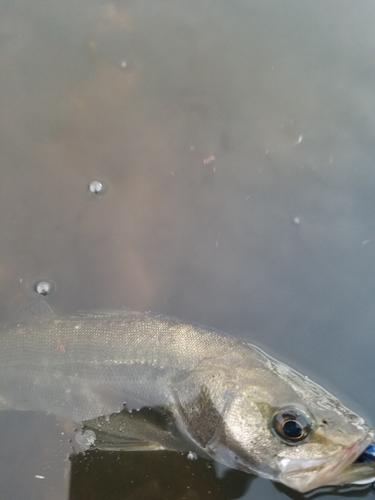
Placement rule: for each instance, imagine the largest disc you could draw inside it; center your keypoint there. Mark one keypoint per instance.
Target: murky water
(211, 160)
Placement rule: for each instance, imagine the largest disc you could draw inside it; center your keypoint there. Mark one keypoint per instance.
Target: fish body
(218, 397)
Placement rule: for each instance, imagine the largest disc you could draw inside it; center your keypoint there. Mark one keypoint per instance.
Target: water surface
(235, 144)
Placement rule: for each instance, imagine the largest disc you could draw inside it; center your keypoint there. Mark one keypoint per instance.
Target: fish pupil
(292, 429)
(291, 425)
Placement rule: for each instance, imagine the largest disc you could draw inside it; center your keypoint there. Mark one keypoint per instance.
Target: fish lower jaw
(307, 475)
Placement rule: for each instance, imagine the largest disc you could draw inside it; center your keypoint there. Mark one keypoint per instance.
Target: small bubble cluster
(192, 456)
(86, 439)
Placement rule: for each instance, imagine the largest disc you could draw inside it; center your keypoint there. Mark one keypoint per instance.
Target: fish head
(282, 426)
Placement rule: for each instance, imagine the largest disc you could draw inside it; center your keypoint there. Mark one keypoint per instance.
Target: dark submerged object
(367, 456)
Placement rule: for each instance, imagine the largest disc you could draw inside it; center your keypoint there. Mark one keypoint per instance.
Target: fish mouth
(340, 469)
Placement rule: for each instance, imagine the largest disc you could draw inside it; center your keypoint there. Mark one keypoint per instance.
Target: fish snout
(339, 469)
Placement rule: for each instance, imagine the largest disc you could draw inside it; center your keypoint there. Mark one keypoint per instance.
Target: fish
(146, 381)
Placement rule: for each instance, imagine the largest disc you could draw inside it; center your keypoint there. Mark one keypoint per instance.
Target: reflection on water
(234, 142)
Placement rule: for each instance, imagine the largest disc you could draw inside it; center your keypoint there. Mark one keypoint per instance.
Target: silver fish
(215, 396)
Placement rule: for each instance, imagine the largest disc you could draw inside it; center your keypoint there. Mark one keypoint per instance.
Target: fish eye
(291, 425)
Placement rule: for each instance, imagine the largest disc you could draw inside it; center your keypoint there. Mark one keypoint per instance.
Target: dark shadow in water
(168, 475)
(328, 492)
(157, 475)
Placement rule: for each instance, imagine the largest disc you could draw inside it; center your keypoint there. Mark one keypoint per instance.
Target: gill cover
(204, 400)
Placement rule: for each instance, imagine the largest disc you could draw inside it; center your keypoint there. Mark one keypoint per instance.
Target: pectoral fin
(202, 404)
(148, 429)
(106, 442)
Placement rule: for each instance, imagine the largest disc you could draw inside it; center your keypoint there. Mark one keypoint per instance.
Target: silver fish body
(81, 367)
(224, 399)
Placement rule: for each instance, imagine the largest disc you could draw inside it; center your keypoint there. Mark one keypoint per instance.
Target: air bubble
(86, 439)
(43, 288)
(96, 187)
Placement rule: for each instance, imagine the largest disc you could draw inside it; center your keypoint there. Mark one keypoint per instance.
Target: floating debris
(209, 160)
(123, 64)
(298, 141)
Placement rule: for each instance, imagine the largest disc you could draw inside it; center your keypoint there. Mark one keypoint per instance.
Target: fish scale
(91, 355)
